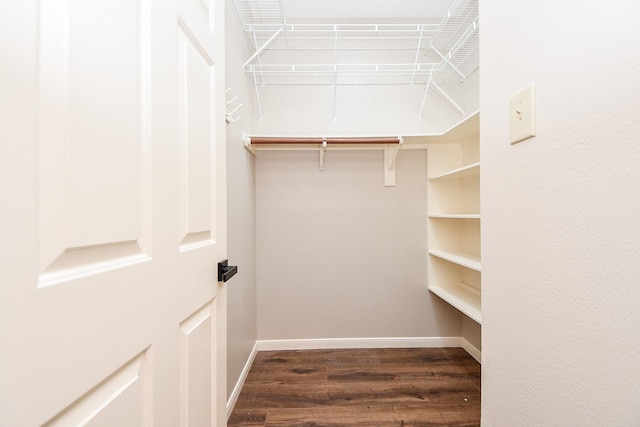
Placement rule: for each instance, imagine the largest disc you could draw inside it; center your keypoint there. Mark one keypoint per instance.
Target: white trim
(471, 349)
(240, 383)
(331, 343)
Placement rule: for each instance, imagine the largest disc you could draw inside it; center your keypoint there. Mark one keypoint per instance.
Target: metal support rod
(424, 98)
(445, 59)
(263, 47)
(255, 85)
(448, 98)
(413, 76)
(335, 71)
(255, 40)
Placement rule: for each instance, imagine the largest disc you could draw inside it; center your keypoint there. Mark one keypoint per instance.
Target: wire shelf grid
(339, 37)
(453, 43)
(447, 52)
(343, 74)
(259, 12)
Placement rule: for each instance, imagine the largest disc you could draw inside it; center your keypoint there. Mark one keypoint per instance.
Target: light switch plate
(522, 111)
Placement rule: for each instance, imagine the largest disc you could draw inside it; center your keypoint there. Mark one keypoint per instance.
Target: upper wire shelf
(312, 37)
(442, 52)
(341, 54)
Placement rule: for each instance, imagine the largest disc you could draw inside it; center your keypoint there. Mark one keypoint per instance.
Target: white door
(112, 185)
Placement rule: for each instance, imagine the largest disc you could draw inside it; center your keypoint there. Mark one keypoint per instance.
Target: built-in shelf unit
(454, 216)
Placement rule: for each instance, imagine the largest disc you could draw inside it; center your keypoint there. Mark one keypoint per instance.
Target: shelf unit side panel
(469, 200)
(470, 236)
(445, 235)
(454, 235)
(454, 197)
(472, 278)
(444, 274)
(470, 151)
(442, 158)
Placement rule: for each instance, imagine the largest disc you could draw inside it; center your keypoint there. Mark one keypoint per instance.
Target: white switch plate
(522, 111)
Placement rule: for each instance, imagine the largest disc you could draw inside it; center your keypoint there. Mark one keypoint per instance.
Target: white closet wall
(560, 222)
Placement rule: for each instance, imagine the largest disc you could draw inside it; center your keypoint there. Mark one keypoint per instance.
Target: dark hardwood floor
(361, 387)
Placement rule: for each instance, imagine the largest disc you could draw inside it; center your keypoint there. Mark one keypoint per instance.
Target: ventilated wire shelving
(451, 46)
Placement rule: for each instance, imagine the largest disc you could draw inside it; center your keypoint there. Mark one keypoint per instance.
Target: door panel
(112, 177)
(122, 399)
(196, 78)
(197, 351)
(93, 115)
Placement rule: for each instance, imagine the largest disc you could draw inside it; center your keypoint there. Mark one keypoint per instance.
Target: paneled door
(113, 219)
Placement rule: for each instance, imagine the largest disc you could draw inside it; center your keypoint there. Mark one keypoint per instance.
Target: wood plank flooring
(360, 387)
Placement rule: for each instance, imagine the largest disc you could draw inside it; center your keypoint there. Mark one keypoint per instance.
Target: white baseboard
(335, 343)
(231, 402)
(471, 349)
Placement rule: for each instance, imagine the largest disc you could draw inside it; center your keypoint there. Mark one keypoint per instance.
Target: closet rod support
(247, 144)
(390, 156)
(323, 149)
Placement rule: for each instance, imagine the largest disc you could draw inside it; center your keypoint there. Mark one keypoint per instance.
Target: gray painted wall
(339, 254)
(241, 208)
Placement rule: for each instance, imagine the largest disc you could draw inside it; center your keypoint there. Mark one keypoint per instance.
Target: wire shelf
(340, 54)
(450, 47)
(259, 12)
(456, 23)
(311, 37)
(343, 74)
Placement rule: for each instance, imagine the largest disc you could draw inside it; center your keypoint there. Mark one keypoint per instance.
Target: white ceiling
(364, 9)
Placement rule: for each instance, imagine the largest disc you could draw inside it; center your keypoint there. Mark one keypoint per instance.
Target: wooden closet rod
(286, 141)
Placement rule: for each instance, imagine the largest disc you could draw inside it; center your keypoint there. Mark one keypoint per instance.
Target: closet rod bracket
(323, 149)
(390, 156)
(247, 144)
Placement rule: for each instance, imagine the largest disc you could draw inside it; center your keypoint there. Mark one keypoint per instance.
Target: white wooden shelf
(461, 298)
(455, 216)
(465, 172)
(464, 259)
